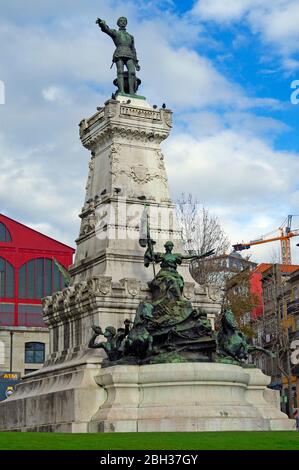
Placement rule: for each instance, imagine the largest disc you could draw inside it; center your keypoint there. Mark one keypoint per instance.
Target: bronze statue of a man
(124, 55)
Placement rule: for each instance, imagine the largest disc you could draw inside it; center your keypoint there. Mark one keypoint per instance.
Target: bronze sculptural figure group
(167, 328)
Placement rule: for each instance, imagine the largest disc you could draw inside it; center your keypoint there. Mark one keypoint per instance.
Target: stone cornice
(128, 133)
(99, 291)
(129, 123)
(81, 298)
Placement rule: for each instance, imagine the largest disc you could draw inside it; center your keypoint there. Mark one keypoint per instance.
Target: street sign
(10, 375)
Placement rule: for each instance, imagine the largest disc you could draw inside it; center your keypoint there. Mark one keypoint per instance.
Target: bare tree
(201, 232)
(240, 298)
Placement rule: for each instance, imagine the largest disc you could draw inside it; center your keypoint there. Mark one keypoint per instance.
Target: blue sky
(224, 67)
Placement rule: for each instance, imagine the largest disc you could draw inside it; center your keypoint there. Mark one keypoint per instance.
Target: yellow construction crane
(285, 235)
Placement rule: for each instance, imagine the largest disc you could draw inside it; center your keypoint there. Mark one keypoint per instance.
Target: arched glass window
(34, 353)
(7, 279)
(38, 278)
(4, 233)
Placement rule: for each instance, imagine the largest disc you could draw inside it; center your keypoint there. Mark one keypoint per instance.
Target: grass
(287, 440)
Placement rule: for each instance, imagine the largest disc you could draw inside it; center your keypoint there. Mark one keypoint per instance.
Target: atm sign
(9, 376)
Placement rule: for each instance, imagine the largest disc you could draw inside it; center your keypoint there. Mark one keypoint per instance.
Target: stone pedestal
(187, 397)
(153, 398)
(57, 399)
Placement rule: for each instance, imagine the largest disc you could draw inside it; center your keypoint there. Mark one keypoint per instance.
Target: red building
(28, 272)
(256, 288)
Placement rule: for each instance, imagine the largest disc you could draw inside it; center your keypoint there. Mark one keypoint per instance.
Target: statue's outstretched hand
(99, 21)
(209, 253)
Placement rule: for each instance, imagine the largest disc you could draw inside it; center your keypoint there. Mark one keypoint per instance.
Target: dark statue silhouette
(124, 56)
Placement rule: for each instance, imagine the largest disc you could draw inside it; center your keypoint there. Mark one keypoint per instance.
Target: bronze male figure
(124, 55)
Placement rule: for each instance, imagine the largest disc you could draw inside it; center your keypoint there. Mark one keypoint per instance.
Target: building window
(7, 279)
(34, 353)
(30, 315)
(29, 371)
(7, 314)
(4, 233)
(39, 278)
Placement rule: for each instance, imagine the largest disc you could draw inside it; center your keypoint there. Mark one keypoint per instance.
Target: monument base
(59, 398)
(152, 398)
(187, 397)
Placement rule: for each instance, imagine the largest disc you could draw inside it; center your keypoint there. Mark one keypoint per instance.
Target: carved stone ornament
(168, 118)
(111, 109)
(90, 174)
(160, 157)
(189, 290)
(67, 295)
(89, 223)
(82, 127)
(104, 285)
(114, 154)
(57, 298)
(140, 113)
(79, 290)
(47, 303)
(140, 174)
(133, 287)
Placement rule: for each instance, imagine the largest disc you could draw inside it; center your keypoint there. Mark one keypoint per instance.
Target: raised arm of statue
(204, 255)
(105, 28)
(97, 331)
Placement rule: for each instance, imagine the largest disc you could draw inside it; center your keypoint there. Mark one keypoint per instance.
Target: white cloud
(275, 20)
(208, 123)
(222, 10)
(55, 93)
(291, 64)
(241, 169)
(244, 180)
(27, 179)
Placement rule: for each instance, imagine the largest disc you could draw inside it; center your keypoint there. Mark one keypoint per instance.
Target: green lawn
(152, 441)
